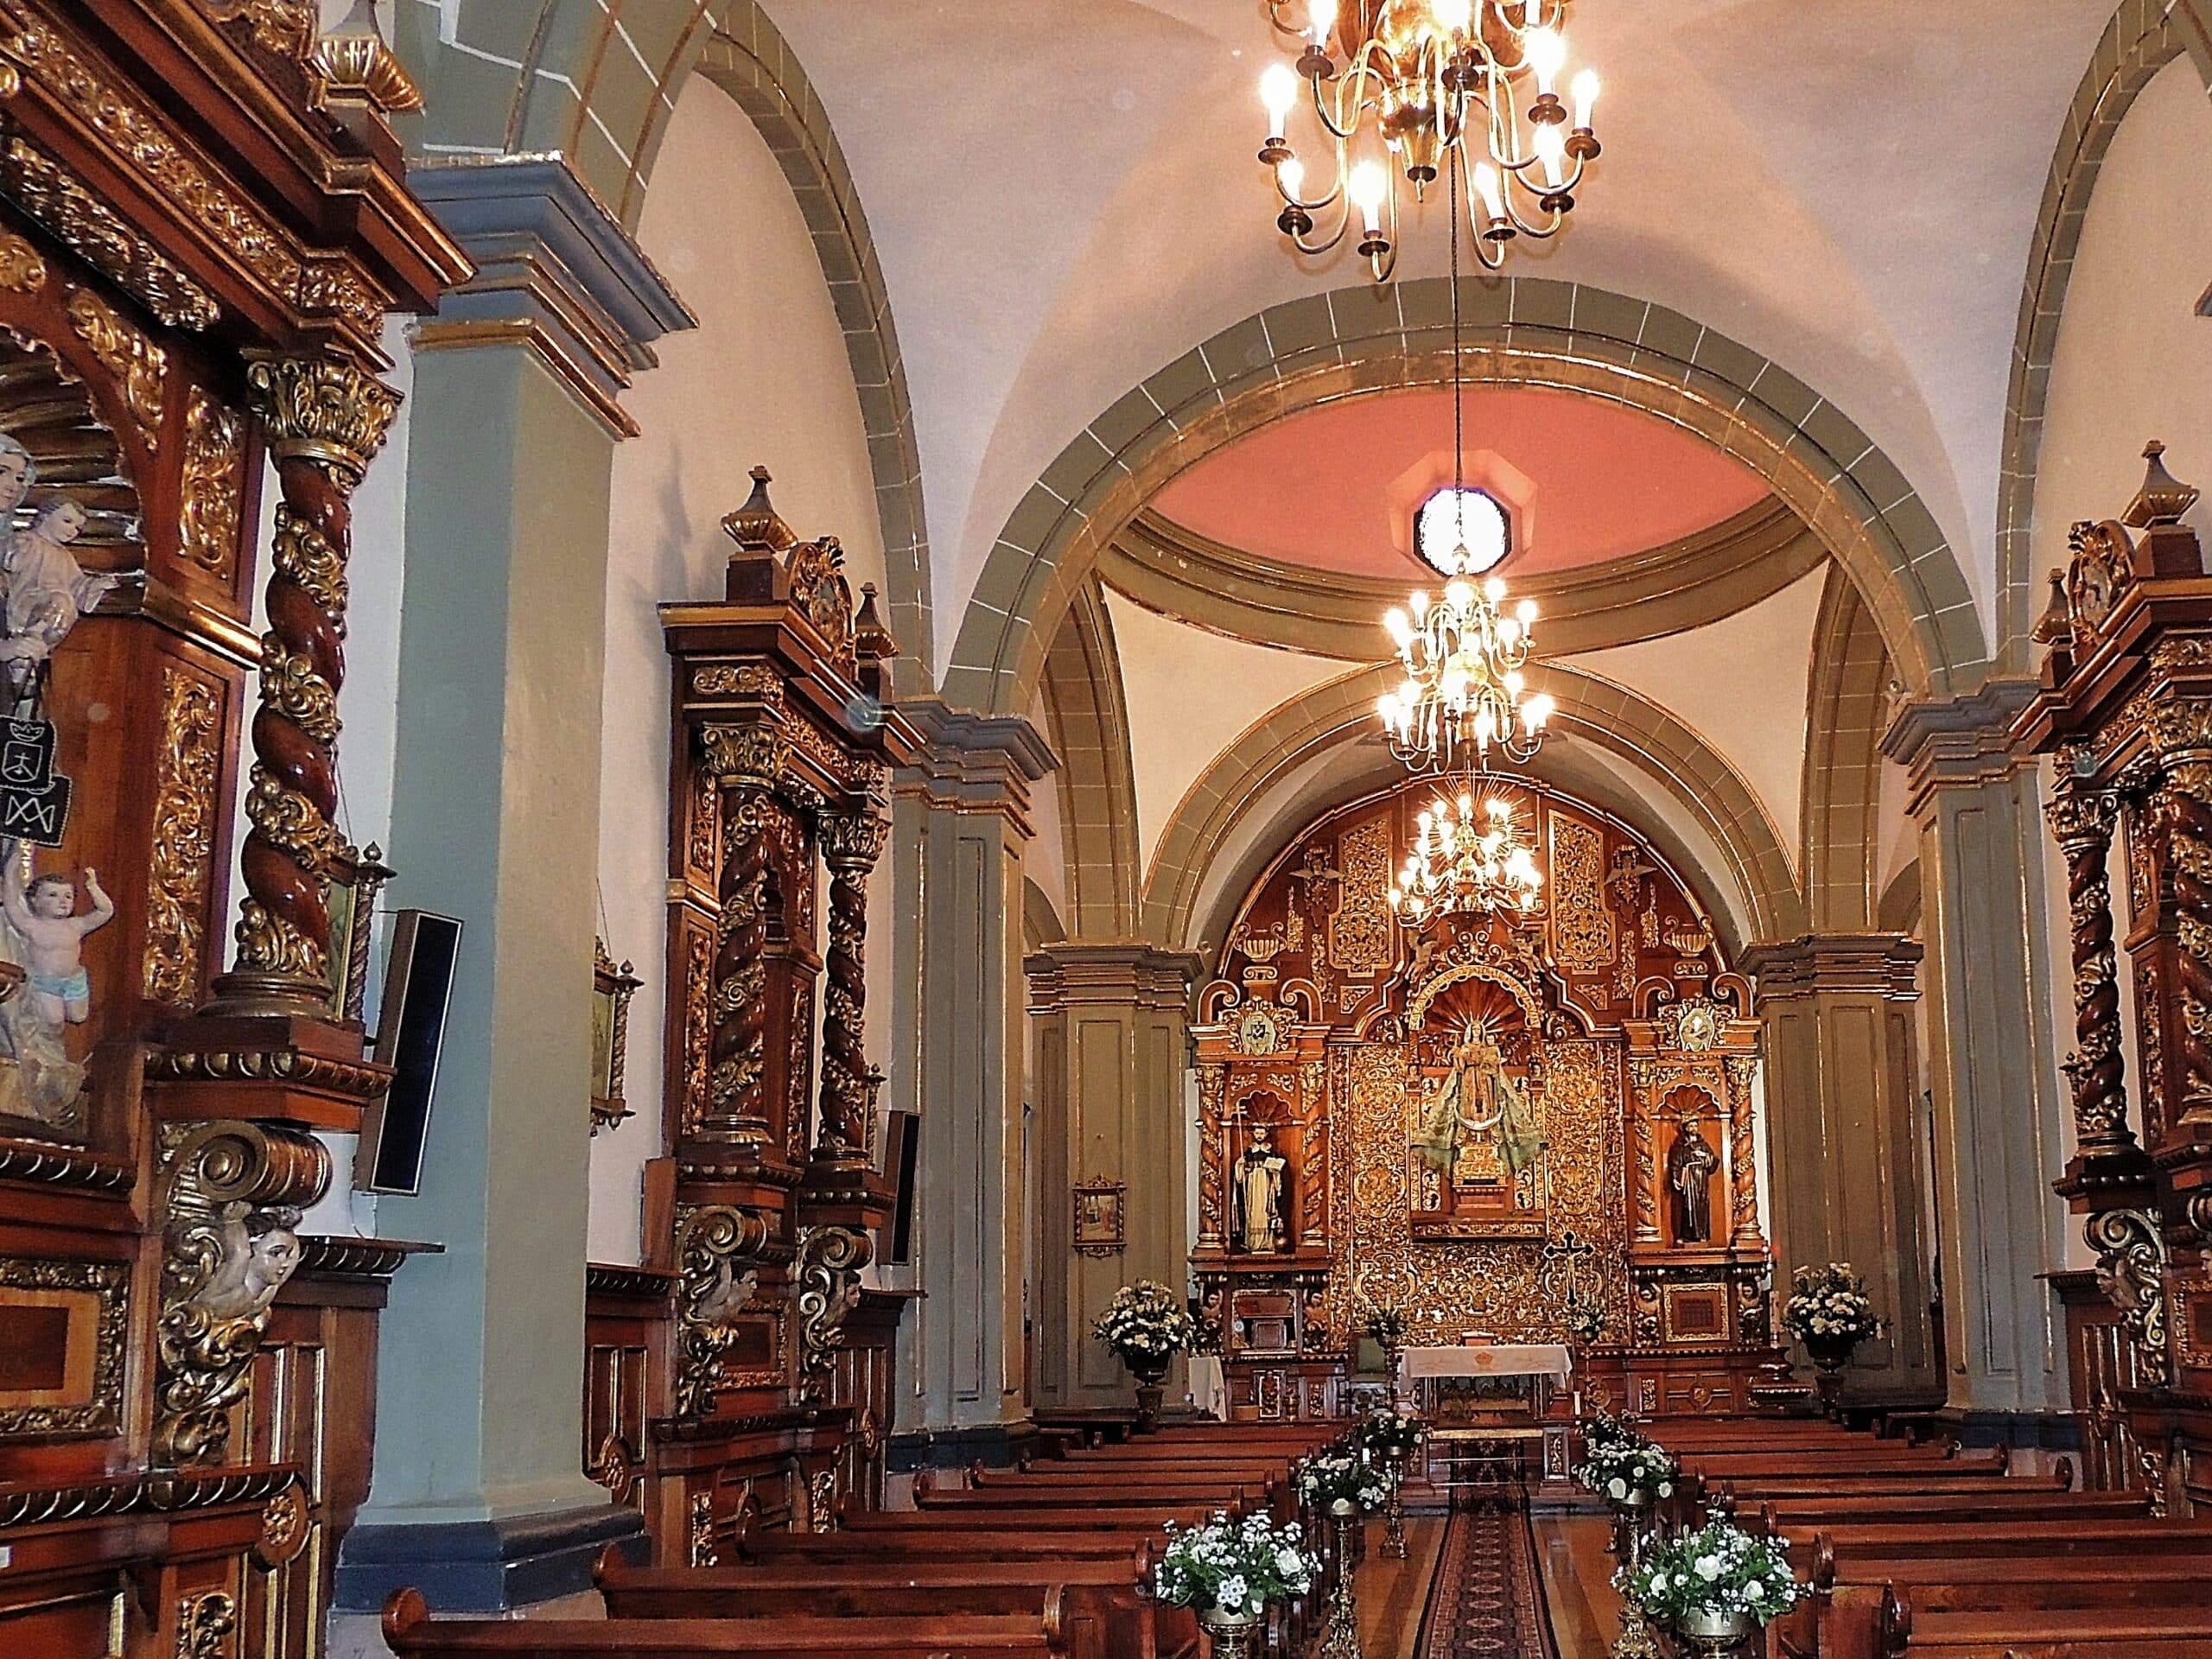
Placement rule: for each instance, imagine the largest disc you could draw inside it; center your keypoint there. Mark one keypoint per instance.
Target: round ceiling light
(1462, 532)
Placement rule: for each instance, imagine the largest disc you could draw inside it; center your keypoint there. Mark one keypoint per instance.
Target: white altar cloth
(1208, 1393)
(1549, 1359)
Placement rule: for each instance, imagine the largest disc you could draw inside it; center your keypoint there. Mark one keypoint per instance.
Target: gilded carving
(828, 1278)
(718, 1250)
(181, 867)
(1361, 926)
(284, 1527)
(233, 1194)
(138, 367)
(59, 199)
(325, 409)
(699, 1539)
(851, 843)
(2081, 820)
(285, 27)
(698, 1027)
(1583, 940)
(136, 131)
(205, 1623)
(101, 1413)
(215, 447)
(754, 754)
(22, 272)
(2130, 1255)
(739, 679)
(738, 1051)
(1213, 1082)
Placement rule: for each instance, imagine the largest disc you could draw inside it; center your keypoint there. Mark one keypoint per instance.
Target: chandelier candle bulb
(1420, 88)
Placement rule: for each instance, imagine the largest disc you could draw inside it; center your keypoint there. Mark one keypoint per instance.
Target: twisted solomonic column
(2181, 730)
(745, 761)
(325, 420)
(2081, 822)
(851, 843)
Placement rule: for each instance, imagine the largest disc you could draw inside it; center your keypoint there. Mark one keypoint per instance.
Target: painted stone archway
(1528, 331)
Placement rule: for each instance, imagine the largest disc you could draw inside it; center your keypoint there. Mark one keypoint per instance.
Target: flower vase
(1340, 1635)
(1717, 1635)
(1148, 1374)
(1393, 1511)
(1230, 1637)
(1829, 1356)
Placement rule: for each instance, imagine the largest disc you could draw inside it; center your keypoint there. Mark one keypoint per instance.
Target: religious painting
(1099, 1226)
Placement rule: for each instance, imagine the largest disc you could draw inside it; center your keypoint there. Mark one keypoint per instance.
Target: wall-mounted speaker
(902, 1134)
(411, 1032)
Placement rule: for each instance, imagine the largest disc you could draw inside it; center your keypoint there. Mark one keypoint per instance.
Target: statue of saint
(1689, 1183)
(1480, 1097)
(1262, 1176)
(47, 591)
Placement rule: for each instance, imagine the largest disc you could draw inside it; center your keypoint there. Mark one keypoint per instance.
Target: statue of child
(44, 913)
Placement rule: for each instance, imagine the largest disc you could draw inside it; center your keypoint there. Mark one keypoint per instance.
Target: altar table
(1545, 1360)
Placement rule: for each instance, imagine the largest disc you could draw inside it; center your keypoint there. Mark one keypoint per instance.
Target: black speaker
(411, 1032)
(903, 1134)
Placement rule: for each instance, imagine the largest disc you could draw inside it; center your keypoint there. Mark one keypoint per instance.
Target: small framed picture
(611, 986)
(1099, 1218)
(357, 876)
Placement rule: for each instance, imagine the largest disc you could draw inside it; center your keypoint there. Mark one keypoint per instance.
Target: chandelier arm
(1328, 243)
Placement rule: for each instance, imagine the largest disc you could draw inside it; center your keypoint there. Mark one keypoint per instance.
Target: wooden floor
(1393, 1594)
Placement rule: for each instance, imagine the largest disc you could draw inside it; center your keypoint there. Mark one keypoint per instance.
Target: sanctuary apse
(1539, 1127)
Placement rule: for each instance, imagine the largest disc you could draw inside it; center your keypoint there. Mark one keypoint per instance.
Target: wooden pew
(410, 1633)
(1884, 1625)
(1111, 1593)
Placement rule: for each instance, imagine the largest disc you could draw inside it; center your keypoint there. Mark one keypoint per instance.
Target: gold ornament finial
(354, 60)
(2163, 498)
(756, 527)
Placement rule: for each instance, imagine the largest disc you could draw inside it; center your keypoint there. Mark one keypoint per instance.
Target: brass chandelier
(1416, 86)
(1462, 863)
(1463, 692)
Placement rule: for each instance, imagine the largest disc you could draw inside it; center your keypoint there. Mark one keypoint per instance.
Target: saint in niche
(1261, 1184)
(1479, 1099)
(1689, 1183)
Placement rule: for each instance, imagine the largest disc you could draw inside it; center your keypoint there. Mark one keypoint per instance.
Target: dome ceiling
(1333, 488)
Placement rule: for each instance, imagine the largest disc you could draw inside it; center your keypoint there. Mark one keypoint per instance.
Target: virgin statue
(1478, 1096)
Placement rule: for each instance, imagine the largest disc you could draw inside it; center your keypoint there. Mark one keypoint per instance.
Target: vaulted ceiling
(1064, 199)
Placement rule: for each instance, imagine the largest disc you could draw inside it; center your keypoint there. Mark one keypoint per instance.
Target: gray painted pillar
(1845, 1144)
(1998, 1119)
(1113, 1041)
(478, 1497)
(960, 822)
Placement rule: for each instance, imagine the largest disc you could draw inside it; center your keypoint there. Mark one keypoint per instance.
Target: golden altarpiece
(743, 1376)
(203, 224)
(2125, 707)
(1534, 1129)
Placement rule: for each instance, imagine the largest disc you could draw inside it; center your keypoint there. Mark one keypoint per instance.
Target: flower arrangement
(1718, 1570)
(1585, 1322)
(1828, 1307)
(1624, 1472)
(1387, 1433)
(1334, 1477)
(1145, 1324)
(1233, 1569)
(1601, 1427)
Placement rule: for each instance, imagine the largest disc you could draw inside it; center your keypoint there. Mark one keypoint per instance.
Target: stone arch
(597, 83)
(1525, 330)
(1339, 713)
(2139, 41)
(1845, 700)
(1087, 726)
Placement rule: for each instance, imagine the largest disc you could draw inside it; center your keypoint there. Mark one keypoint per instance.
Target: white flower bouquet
(1145, 1324)
(1629, 1471)
(1719, 1571)
(1233, 1569)
(1335, 1478)
(1389, 1434)
(1828, 1307)
(1603, 1428)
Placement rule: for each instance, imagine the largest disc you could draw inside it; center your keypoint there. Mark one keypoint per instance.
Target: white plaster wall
(763, 379)
(1191, 694)
(2133, 360)
(1740, 684)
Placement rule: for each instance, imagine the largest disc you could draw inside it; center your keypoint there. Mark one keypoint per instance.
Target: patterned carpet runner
(1487, 1599)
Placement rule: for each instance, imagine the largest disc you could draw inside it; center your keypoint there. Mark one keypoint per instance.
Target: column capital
(976, 763)
(1873, 964)
(556, 272)
(1122, 971)
(1959, 741)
